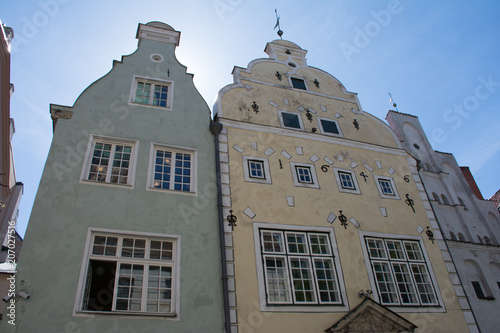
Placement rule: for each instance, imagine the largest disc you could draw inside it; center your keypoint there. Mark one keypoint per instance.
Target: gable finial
(392, 102)
(280, 32)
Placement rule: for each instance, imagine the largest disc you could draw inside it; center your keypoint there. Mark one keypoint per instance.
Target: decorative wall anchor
(231, 219)
(316, 83)
(314, 129)
(362, 174)
(288, 52)
(309, 116)
(255, 107)
(410, 202)
(278, 75)
(356, 124)
(343, 220)
(365, 294)
(430, 234)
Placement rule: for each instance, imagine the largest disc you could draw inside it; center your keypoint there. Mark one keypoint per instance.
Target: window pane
(304, 174)
(290, 120)
(278, 289)
(159, 292)
(346, 180)
(104, 245)
(385, 283)
(303, 284)
(329, 126)
(395, 249)
(413, 251)
(405, 285)
(319, 244)
(273, 241)
(386, 187)
(424, 285)
(99, 162)
(327, 280)
(256, 169)
(129, 294)
(376, 248)
(298, 83)
(296, 243)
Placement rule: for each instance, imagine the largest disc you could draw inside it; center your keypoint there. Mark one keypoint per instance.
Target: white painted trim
(246, 171)
(194, 168)
(314, 184)
(320, 125)
(313, 137)
(356, 189)
(170, 93)
(373, 283)
(298, 308)
(393, 185)
(113, 140)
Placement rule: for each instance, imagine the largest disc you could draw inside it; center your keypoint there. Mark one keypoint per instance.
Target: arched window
(445, 199)
(452, 235)
(461, 237)
(436, 197)
(478, 282)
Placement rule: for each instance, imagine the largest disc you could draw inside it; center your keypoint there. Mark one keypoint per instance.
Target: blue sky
(439, 59)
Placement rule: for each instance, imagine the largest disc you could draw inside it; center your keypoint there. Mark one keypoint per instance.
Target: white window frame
(265, 168)
(436, 307)
(320, 125)
(298, 78)
(341, 306)
(356, 189)
(174, 314)
(299, 117)
(152, 81)
(295, 176)
(378, 178)
(174, 149)
(93, 139)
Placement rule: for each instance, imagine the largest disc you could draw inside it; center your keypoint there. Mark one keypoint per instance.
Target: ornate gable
(371, 317)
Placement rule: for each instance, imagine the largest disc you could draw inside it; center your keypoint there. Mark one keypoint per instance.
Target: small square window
(346, 181)
(329, 127)
(290, 120)
(151, 92)
(256, 170)
(386, 187)
(172, 168)
(304, 175)
(109, 161)
(298, 83)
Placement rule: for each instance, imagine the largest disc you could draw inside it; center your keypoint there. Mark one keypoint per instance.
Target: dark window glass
(290, 120)
(329, 126)
(298, 83)
(478, 289)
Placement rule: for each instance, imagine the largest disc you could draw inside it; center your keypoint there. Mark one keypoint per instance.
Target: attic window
(298, 83)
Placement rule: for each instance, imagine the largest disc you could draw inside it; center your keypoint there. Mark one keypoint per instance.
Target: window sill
(160, 190)
(168, 108)
(127, 313)
(91, 182)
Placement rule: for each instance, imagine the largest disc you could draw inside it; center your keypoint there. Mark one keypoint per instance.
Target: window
(329, 127)
(304, 175)
(172, 168)
(297, 267)
(298, 83)
(110, 161)
(478, 290)
(130, 273)
(152, 92)
(290, 120)
(386, 187)
(346, 181)
(256, 170)
(400, 272)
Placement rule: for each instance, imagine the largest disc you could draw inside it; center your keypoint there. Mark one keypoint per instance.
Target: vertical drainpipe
(419, 167)
(216, 128)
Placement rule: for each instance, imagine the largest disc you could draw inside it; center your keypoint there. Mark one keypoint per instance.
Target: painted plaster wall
(252, 134)
(65, 208)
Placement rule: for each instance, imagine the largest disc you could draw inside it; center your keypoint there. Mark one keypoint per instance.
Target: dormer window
(152, 93)
(298, 83)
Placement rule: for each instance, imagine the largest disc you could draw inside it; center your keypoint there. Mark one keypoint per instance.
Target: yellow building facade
(334, 231)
